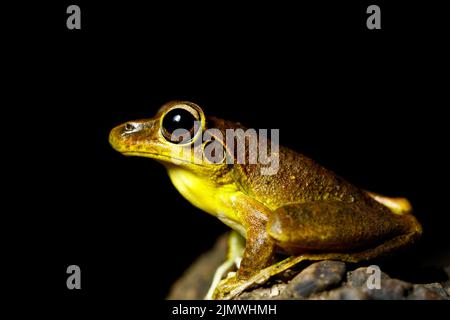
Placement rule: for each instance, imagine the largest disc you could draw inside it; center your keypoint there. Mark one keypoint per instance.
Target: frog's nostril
(129, 127)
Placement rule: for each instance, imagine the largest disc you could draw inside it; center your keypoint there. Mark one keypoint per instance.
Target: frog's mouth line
(158, 156)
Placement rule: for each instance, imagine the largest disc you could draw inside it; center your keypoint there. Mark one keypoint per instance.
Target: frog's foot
(231, 287)
(226, 288)
(396, 205)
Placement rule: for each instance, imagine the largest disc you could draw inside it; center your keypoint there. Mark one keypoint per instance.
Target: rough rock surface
(323, 280)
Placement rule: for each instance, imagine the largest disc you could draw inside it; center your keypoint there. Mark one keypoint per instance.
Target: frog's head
(173, 137)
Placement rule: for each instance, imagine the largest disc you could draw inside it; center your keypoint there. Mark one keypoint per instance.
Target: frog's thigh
(335, 226)
(396, 205)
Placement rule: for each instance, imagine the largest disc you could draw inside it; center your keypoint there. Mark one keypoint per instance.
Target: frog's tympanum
(303, 211)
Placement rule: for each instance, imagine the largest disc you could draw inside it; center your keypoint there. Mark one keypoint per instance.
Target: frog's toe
(229, 288)
(396, 205)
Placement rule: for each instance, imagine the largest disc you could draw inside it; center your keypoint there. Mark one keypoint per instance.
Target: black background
(369, 105)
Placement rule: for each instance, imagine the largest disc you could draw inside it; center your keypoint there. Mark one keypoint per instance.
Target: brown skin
(304, 210)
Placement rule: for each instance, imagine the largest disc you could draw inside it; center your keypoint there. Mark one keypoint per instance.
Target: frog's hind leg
(332, 231)
(336, 226)
(265, 274)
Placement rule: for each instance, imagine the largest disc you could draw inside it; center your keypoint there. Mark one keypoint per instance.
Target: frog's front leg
(259, 250)
(235, 250)
(259, 247)
(258, 254)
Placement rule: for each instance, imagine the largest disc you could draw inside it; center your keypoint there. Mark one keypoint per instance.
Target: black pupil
(178, 119)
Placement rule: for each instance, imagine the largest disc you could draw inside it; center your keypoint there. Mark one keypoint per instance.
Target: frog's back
(297, 180)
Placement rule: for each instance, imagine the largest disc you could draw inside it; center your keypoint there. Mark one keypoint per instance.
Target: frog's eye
(179, 123)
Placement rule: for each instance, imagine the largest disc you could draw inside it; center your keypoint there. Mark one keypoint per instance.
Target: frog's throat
(158, 156)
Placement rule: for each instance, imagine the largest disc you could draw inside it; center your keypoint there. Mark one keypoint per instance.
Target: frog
(301, 212)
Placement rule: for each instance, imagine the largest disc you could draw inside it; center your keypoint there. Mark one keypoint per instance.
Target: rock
(447, 283)
(323, 280)
(432, 291)
(358, 278)
(317, 277)
(391, 289)
(262, 293)
(343, 293)
(195, 282)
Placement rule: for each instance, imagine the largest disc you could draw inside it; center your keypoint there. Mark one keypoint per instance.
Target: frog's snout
(125, 135)
(132, 136)
(115, 137)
